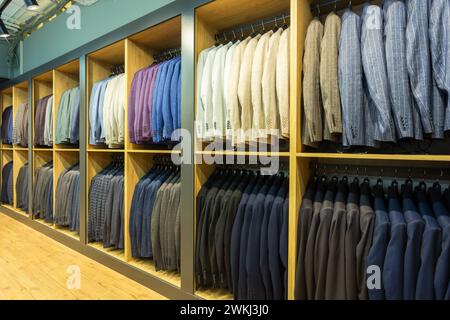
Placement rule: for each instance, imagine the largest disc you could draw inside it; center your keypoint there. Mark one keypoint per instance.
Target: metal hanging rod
(118, 69)
(170, 53)
(378, 171)
(241, 30)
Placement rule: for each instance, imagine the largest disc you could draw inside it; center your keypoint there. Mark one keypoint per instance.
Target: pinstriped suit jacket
(313, 129)
(395, 48)
(351, 80)
(329, 77)
(440, 49)
(374, 64)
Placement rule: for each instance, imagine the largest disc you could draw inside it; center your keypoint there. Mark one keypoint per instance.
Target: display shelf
(99, 67)
(369, 156)
(140, 50)
(6, 100)
(66, 149)
(47, 224)
(106, 151)
(67, 232)
(154, 151)
(149, 267)
(244, 153)
(49, 149)
(65, 77)
(42, 87)
(62, 161)
(118, 254)
(214, 294)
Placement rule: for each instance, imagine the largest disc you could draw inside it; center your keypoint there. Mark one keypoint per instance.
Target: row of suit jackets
(7, 194)
(107, 112)
(67, 212)
(244, 86)
(7, 125)
(68, 117)
(106, 207)
(347, 232)
(379, 76)
(411, 243)
(22, 188)
(43, 122)
(20, 127)
(155, 103)
(43, 193)
(241, 235)
(155, 218)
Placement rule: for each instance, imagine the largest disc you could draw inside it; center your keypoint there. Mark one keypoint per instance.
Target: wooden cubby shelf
(368, 156)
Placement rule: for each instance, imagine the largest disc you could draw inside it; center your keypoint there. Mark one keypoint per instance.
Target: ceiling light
(32, 5)
(4, 33)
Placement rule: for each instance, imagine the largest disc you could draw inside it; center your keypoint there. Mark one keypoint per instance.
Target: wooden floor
(35, 267)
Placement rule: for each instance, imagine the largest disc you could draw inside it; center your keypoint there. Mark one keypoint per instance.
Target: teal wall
(55, 39)
(4, 66)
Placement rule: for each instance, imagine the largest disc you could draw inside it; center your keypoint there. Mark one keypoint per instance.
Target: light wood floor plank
(34, 267)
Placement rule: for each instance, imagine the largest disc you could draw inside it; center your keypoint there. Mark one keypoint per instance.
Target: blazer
(243, 288)
(235, 259)
(259, 120)
(442, 272)
(244, 87)
(255, 283)
(352, 236)
(395, 252)
(419, 61)
(374, 64)
(366, 223)
(233, 103)
(264, 245)
(200, 108)
(310, 264)
(268, 83)
(414, 230)
(226, 88)
(440, 48)
(218, 102)
(350, 73)
(329, 83)
(431, 247)
(395, 48)
(274, 233)
(311, 84)
(304, 223)
(335, 287)
(283, 81)
(321, 244)
(380, 241)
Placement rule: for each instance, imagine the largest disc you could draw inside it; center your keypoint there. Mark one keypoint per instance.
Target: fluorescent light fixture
(4, 33)
(32, 5)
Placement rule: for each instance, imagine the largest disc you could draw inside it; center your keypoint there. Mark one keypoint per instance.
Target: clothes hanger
(285, 24)
(335, 7)
(350, 7)
(253, 31)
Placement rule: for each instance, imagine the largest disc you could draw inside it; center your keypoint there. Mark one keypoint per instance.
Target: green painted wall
(56, 39)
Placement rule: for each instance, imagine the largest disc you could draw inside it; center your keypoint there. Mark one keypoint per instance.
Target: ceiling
(16, 16)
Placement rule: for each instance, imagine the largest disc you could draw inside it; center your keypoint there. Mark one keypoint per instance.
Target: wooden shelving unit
(6, 100)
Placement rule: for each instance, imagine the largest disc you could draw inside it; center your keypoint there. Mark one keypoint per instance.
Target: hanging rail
(377, 171)
(241, 30)
(167, 54)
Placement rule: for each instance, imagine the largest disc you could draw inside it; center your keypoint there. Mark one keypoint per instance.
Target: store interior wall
(55, 38)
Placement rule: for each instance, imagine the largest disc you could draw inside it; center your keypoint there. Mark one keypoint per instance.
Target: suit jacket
(236, 234)
(430, 250)
(321, 244)
(414, 229)
(374, 64)
(312, 122)
(395, 252)
(329, 84)
(366, 224)
(352, 236)
(442, 272)
(335, 287)
(351, 81)
(274, 233)
(395, 48)
(304, 222)
(380, 242)
(311, 239)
